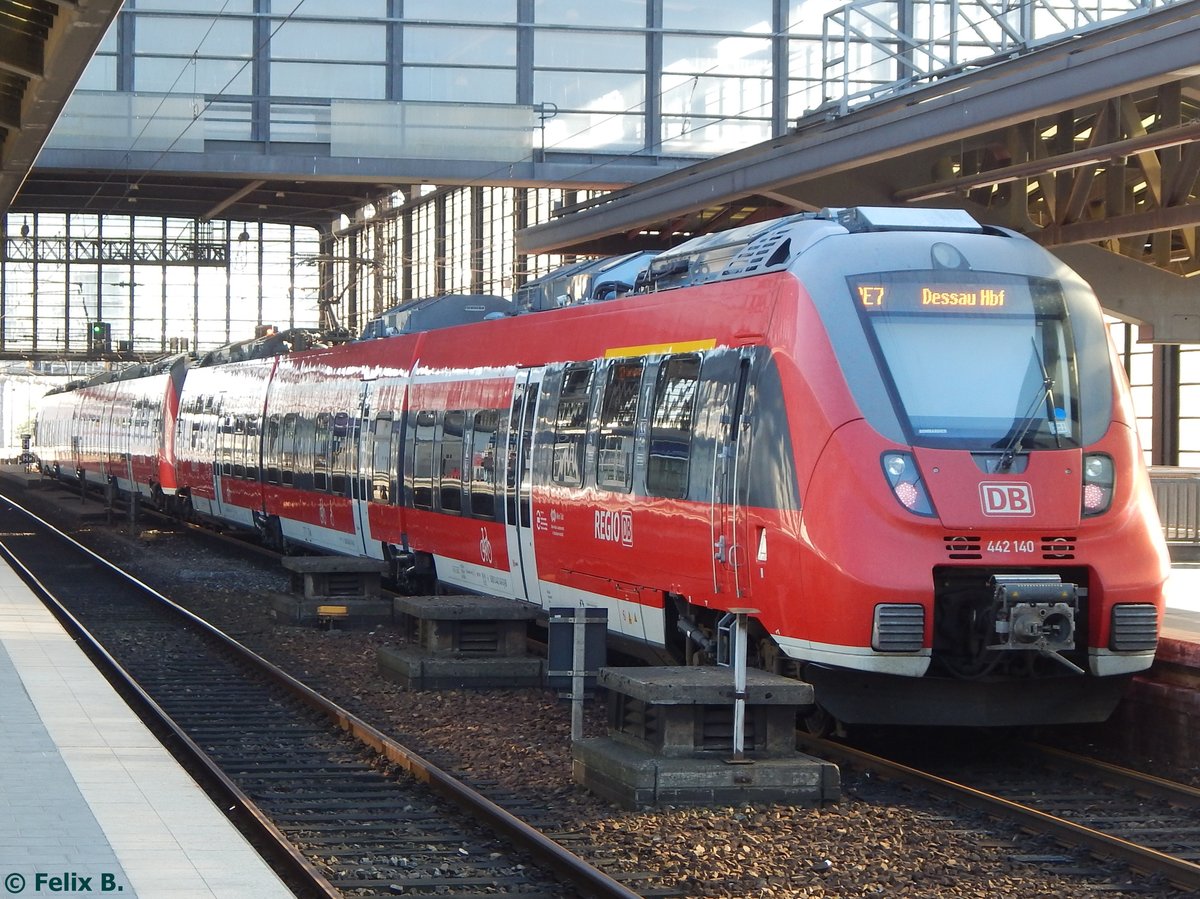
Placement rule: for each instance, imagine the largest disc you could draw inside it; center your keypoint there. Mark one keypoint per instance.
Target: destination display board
(915, 293)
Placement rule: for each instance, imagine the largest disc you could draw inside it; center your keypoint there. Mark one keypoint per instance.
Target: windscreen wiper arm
(1045, 394)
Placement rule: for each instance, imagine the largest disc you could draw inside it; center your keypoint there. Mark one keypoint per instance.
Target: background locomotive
(897, 434)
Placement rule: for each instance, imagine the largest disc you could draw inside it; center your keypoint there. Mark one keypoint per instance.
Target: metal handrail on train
(1177, 495)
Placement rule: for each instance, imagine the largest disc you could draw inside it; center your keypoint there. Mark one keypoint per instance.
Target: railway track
(1149, 823)
(346, 810)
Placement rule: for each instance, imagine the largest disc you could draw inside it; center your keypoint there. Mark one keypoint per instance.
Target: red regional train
(898, 435)
(116, 429)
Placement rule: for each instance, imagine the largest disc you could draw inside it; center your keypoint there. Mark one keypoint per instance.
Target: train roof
(772, 245)
(583, 282)
(128, 373)
(431, 313)
(280, 343)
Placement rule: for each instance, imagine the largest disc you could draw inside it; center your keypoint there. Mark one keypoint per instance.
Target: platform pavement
(90, 802)
(1182, 619)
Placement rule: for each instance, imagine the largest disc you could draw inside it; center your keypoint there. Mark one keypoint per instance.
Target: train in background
(115, 428)
(899, 436)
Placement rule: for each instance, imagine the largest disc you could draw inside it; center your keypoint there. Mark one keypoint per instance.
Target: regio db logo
(615, 527)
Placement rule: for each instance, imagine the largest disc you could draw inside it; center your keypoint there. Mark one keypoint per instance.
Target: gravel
(879, 840)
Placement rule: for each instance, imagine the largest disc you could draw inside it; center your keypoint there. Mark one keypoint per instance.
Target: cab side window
(672, 421)
(570, 426)
(618, 416)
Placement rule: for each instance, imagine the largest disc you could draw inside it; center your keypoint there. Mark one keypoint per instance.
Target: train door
(518, 481)
(222, 455)
(113, 437)
(730, 541)
(362, 466)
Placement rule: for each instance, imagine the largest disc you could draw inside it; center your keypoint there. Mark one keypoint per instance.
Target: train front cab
(980, 537)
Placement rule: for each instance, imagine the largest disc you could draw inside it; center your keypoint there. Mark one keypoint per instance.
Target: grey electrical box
(564, 655)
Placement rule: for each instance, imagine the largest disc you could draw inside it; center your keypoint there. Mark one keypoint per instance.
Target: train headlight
(1097, 483)
(906, 482)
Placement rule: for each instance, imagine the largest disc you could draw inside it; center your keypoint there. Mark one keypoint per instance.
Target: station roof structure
(1090, 144)
(206, 156)
(44, 47)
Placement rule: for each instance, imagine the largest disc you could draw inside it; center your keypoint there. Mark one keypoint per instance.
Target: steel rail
(588, 879)
(1180, 872)
(236, 804)
(1147, 784)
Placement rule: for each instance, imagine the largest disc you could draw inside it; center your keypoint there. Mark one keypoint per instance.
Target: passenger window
(570, 427)
(381, 458)
(271, 450)
(423, 456)
(321, 451)
(239, 446)
(225, 442)
(340, 451)
(618, 415)
(671, 425)
(450, 479)
(287, 449)
(484, 448)
(253, 446)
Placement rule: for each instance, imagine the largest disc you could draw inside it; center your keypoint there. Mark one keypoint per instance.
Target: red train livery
(896, 434)
(116, 428)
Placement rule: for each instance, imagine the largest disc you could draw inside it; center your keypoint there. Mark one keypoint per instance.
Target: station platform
(1182, 620)
(90, 802)
(1156, 719)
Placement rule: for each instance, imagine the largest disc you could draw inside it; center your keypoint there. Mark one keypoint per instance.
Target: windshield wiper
(1051, 406)
(1045, 394)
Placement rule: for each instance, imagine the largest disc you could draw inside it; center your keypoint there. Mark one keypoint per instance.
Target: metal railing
(873, 48)
(1177, 494)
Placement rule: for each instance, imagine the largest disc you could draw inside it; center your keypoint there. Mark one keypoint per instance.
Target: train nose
(1044, 493)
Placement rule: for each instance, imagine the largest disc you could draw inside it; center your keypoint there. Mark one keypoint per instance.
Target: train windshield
(974, 360)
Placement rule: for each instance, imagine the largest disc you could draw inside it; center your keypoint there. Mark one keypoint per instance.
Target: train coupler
(1034, 612)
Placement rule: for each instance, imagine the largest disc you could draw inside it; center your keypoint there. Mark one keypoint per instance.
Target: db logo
(615, 527)
(1006, 499)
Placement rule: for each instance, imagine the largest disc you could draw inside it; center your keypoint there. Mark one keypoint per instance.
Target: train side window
(239, 446)
(671, 423)
(485, 445)
(253, 447)
(320, 462)
(225, 442)
(424, 428)
(450, 479)
(339, 450)
(287, 449)
(570, 426)
(381, 458)
(618, 415)
(305, 440)
(271, 450)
